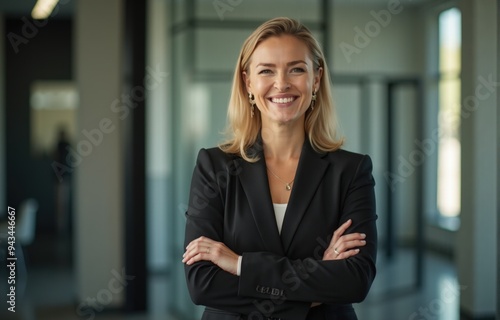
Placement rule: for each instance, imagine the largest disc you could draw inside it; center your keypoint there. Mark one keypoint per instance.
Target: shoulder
(342, 155)
(350, 161)
(216, 158)
(216, 154)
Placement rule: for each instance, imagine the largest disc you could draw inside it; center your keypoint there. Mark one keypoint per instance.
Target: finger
(347, 254)
(331, 255)
(198, 257)
(340, 230)
(201, 241)
(346, 238)
(347, 245)
(352, 236)
(194, 249)
(197, 254)
(343, 246)
(197, 241)
(188, 255)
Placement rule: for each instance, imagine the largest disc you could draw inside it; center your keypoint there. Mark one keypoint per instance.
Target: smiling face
(282, 78)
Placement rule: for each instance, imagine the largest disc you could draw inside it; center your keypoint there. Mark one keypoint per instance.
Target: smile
(283, 100)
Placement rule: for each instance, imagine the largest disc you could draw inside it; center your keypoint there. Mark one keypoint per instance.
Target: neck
(283, 142)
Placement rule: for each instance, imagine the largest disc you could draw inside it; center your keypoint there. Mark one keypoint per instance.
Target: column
(476, 249)
(99, 219)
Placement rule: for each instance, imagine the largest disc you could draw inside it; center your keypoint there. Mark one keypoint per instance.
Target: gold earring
(313, 100)
(251, 99)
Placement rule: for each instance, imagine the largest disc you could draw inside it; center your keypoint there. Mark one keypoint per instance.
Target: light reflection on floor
(394, 296)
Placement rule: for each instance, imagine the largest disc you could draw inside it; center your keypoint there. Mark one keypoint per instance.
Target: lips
(283, 100)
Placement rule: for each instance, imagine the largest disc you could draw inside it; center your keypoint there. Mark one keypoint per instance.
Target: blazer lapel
(309, 174)
(255, 183)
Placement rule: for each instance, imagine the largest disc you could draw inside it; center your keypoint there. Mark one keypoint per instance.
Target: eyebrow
(292, 63)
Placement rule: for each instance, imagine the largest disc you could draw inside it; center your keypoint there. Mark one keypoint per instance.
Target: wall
(99, 221)
(389, 48)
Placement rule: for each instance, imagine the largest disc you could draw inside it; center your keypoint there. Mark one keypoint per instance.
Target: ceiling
(67, 7)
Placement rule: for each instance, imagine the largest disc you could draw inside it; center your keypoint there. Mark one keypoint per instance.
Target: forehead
(280, 49)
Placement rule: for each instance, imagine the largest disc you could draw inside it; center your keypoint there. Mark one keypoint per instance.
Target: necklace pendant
(288, 187)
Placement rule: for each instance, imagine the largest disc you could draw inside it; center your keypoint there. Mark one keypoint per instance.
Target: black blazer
(281, 275)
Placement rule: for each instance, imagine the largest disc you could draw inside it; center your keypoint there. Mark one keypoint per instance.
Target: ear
(317, 78)
(246, 79)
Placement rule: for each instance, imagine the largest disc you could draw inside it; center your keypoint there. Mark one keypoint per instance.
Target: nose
(281, 83)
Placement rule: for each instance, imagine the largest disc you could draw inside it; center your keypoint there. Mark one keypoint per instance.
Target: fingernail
(357, 250)
(363, 235)
(363, 241)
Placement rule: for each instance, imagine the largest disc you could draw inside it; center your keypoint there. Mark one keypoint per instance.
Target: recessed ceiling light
(43, 9)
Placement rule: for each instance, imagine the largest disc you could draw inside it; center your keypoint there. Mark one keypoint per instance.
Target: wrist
(238, 266)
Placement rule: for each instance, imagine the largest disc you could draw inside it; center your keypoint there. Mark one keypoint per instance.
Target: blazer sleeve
(311, 279)
(208, 284)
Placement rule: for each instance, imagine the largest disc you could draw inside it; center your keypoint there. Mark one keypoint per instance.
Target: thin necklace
(288, 186)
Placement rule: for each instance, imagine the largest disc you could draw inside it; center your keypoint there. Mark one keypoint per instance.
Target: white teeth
(282, 100)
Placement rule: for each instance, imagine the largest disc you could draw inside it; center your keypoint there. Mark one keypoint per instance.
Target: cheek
(309, 84)
(261, 86)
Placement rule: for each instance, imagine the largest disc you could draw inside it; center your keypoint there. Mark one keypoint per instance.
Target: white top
(279, 212)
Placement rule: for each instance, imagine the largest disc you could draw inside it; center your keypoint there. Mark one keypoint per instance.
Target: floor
(393, 295)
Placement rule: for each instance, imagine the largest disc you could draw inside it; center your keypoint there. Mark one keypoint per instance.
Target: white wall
(99, 177)
(388, 47)
(258, 9)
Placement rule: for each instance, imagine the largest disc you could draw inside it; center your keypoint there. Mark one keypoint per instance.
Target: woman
(281, 221)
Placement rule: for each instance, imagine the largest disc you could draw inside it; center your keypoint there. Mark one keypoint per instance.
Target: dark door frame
(134, 66)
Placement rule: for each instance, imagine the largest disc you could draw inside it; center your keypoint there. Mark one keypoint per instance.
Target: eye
(298, 70)
(265, 71)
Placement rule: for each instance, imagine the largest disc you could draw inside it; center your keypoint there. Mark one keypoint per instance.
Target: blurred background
(104, 105)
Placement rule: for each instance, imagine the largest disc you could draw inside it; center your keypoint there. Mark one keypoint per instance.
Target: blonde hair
(320, 123)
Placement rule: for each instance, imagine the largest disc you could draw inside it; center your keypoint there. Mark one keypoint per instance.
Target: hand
(344, 246)
(205, 249)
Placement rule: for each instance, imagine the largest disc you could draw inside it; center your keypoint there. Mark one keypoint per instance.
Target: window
(448, 177)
